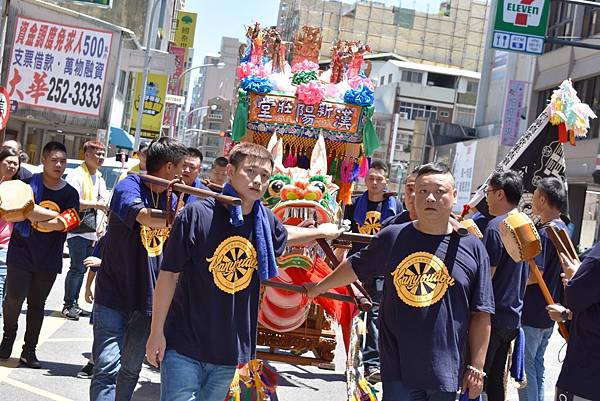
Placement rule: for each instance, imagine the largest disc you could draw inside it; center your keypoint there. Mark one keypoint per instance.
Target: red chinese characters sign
(59, 66)
(276, 112)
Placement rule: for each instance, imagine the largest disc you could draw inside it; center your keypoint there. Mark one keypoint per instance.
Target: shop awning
(120, 138)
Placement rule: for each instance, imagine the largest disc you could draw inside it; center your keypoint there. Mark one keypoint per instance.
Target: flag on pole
(539, 151)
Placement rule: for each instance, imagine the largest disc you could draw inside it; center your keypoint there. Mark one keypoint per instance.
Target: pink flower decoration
(305, 65)
(244, 70)
(259, 71)
(357, 80)
(310, 93)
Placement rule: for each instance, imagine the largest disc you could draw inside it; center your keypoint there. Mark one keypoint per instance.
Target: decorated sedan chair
(317, 124)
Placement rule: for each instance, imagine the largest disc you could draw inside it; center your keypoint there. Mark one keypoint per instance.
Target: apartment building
(452, 35)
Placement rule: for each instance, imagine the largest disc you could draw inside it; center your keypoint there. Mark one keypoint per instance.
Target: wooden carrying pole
(186, 189)
(546, 293)
(363, 302)
(302, 290)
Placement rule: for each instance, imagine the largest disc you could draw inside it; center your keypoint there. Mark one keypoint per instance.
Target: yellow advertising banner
(154, 105)
(186, 28)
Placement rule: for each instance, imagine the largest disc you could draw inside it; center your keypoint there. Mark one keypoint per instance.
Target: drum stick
(564, 236)
(364, 302)
(228, 200)
(547, 296)
(302, 290)
(557, 242)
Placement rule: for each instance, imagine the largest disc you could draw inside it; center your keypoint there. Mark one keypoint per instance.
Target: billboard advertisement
(154, 105)
(58, 67)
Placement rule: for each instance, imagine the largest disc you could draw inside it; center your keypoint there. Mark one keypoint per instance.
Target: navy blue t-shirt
(481, 221)
(432, 285)
(130, 266)
(372, 223)
(534, 304)
(580, 373)
(42, 252)
(214, 313)
(187, 198)
(509, 280)
(401, 218)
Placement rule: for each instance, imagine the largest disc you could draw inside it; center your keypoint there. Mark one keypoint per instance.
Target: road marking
(51, 324)
(34, 390)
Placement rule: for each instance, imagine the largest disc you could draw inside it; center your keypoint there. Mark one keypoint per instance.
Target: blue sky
(228, 18)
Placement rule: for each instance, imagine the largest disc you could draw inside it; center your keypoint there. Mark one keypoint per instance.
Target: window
(412, 76)
(414, 110)
(389, 78)
(464, 116)
(122, 81)
(472, 86)
(381, 80)
(441, 80)
(444, 114)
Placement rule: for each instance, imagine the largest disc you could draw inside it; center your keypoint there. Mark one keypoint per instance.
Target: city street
(65, 346)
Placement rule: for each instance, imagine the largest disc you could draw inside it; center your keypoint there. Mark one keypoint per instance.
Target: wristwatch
(564, 315)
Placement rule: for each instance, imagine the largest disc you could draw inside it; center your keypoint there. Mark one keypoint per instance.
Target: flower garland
(568, 112)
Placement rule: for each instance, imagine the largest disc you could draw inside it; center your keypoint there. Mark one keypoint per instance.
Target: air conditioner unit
(403, 115)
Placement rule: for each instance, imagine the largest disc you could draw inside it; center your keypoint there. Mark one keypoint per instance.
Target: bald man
(23, 173)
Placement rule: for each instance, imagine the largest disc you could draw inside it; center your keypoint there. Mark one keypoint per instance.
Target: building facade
(450, 36)
(407, 91)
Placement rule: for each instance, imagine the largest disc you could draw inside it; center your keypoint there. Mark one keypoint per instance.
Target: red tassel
(465, 211)
(563, 135)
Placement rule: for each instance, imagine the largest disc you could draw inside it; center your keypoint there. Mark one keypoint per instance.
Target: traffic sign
(520, 25)
(4, 107)
(174, 99)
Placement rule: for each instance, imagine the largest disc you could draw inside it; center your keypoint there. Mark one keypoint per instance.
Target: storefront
(61, 68)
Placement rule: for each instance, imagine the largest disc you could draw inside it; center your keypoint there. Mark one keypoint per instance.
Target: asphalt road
(64, 347)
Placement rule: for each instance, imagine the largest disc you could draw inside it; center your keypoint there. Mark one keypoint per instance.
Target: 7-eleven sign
(527, 17)
(523, 12)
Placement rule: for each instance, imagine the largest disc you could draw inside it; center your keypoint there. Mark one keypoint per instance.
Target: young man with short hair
(366, 214)
(437, 295)
(93, 196)
(218, 171)
(509, 280)
(549, 199)
(409, 213)
(192, 166)
(137, 230)
(204, 320)
(35, 253)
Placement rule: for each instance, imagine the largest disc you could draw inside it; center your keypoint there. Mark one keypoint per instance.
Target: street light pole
(184, 73)
(187, 116)
(149, 36)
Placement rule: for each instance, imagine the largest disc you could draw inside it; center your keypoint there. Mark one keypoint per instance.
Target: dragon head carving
(296, 194)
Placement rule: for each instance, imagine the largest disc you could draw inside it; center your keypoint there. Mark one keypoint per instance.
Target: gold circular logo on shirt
(421, 279)
(153, 239)
(372, 223)
(233, 264)
(50, 205)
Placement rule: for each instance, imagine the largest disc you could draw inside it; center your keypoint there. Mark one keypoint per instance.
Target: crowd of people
(446, 306)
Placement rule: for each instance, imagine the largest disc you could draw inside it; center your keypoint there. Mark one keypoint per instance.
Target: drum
(519, 236)
(16, 200)
(470, 225)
